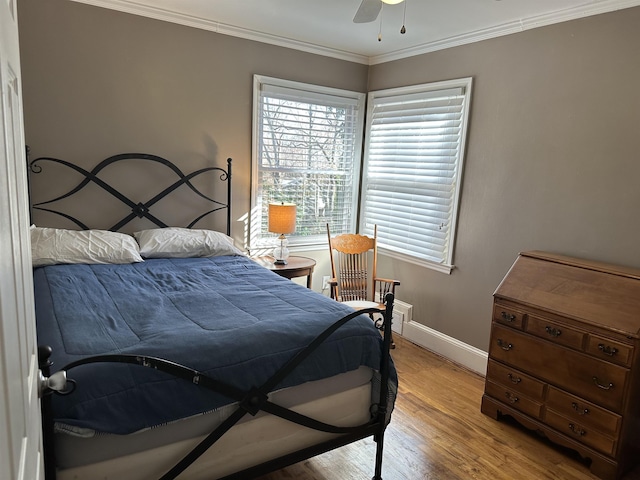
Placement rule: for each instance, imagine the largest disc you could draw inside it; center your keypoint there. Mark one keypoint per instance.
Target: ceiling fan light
(392, 2)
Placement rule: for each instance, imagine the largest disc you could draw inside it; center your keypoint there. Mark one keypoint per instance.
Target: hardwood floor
(438, 433)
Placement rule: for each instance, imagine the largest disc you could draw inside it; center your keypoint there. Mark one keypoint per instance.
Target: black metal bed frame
(248, 402)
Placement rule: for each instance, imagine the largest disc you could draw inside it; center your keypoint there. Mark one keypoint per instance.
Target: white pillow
(174, 242)
(50, 246)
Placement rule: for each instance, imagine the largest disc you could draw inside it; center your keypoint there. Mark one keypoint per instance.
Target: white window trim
(447, 266)
(300, 243)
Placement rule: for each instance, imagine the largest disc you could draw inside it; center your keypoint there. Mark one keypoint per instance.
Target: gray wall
(551, 154)
(552, 160)
(97, 82)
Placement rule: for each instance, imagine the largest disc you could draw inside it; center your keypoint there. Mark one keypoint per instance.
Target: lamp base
(281, 252)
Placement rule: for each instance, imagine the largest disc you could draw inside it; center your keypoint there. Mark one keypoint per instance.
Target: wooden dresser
(564, 357)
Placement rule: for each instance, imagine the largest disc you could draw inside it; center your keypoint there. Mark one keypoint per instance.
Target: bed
(171, 354)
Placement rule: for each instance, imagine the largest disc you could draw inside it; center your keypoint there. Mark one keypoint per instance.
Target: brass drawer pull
(513, 379)
(509, 317)
(580, 411)
(607, 350)
(511, 397)
(504, 345)
(602, 386)
(554, 332)
(577, 431)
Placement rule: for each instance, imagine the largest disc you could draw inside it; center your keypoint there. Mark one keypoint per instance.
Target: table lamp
(282, 219)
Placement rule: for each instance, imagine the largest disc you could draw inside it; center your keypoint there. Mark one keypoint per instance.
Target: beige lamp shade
(392, 2)
(282, 217)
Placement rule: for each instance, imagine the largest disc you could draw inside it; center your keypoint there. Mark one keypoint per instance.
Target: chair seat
(360, 304)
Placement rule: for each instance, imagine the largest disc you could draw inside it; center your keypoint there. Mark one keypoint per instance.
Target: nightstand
(295, 267)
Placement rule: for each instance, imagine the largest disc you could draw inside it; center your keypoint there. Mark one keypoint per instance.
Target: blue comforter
(224, 316)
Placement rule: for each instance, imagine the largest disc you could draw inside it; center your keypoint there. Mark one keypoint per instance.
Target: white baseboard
(466, 355)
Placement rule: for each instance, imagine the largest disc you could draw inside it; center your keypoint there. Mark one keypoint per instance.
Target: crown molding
(595, 7)
(134, 8)
(582, 11)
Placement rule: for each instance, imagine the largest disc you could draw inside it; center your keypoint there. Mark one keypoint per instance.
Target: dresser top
(597, 293)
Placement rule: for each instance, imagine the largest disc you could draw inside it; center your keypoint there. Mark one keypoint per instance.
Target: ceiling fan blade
(368, 11)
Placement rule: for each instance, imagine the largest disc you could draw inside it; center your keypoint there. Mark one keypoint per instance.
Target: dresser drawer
(513, 399)
(600, 382)
(580, 432)
(583, 412)
(508, 316)
(610, 350)
(553, 332)
(516, 380)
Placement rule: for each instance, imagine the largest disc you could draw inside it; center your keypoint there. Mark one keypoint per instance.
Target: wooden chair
(353, 282)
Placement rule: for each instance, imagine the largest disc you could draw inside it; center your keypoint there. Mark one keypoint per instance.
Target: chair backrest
(351, 255)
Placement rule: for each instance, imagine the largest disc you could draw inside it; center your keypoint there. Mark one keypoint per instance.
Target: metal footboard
(248, 402)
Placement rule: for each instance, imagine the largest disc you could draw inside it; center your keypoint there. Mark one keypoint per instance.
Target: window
(306, 150)
(414, 152)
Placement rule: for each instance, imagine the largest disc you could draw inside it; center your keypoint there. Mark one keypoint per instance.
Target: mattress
(245, 445)
(73, 451)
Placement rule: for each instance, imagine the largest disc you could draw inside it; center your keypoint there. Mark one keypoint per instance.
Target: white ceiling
(326, 26)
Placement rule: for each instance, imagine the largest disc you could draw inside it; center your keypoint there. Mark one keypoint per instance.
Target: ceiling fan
(369, 10)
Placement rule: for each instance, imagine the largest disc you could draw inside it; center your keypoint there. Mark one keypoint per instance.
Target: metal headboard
(138, 209)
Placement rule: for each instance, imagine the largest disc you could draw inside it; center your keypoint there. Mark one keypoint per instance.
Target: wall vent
(402, 314)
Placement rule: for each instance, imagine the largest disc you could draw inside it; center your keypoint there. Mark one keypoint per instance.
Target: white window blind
(414, 151)
(306, 150)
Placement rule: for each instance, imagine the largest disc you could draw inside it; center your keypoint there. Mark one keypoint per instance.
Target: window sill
(438, 267)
